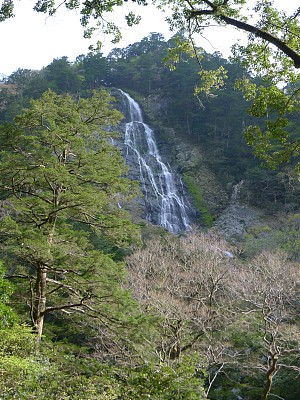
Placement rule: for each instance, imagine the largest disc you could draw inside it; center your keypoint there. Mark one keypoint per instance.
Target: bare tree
(268, 288)
(206, 299)
(186, 281)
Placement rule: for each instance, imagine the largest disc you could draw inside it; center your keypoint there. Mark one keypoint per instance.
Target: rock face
(235, 221)
(188, 158)
(192, 162)
(165, 200)
(232, 218)
(237, 218)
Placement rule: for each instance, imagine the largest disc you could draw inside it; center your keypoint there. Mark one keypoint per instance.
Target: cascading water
(165, 205)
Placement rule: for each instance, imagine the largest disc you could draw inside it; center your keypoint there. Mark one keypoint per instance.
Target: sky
(32, 40)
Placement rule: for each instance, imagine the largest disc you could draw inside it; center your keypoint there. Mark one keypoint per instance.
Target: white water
(139, 140)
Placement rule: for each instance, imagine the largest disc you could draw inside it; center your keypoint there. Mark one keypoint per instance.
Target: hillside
(98, 299)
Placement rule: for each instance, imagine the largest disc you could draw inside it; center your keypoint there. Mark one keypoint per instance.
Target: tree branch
(292, 54)
(66, 306)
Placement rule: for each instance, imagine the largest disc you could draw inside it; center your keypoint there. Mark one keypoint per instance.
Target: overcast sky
(32, 40)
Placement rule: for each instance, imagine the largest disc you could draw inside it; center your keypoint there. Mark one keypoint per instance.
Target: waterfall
(166, 204)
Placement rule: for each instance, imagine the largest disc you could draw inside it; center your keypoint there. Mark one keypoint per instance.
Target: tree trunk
(270, 373)
(39, 301)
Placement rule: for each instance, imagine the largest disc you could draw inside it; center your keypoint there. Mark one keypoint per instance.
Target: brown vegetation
(206, 299)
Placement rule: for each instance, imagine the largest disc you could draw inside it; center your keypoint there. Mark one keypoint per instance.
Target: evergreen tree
(63, 181)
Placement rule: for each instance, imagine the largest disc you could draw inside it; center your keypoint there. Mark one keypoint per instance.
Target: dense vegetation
(189, 317)
(271, 51)
(214, 121)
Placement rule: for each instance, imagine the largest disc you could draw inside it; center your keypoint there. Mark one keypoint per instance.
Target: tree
(273, 34)
(239, 317)
(94, 68)
(187, 282)
(268, 287)
(273, 26)
(272, 53)
(62, 78)
(62, 183)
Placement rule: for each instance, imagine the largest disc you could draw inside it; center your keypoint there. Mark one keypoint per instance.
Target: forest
(96, 303)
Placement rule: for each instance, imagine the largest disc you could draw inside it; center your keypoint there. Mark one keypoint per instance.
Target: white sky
(32, 40)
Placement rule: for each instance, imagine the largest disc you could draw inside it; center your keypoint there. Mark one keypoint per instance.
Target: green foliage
(60, 173)
(271, 53)
(275, 142)
(6, 10)
(7, 316)
(177, 52)
(244, 334)
(59, 371)
(20, 369)
(272, 190)
(17, 341)
(175, 381)
(54, 372)
(58, 144)
(285, 237)
(62, 182)
(62, 78)
(287, 385)
(94, 70)
(277, 95)
(211, 80)
(198, 200)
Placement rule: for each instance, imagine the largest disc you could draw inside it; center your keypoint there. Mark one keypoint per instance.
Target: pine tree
(62, 182)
